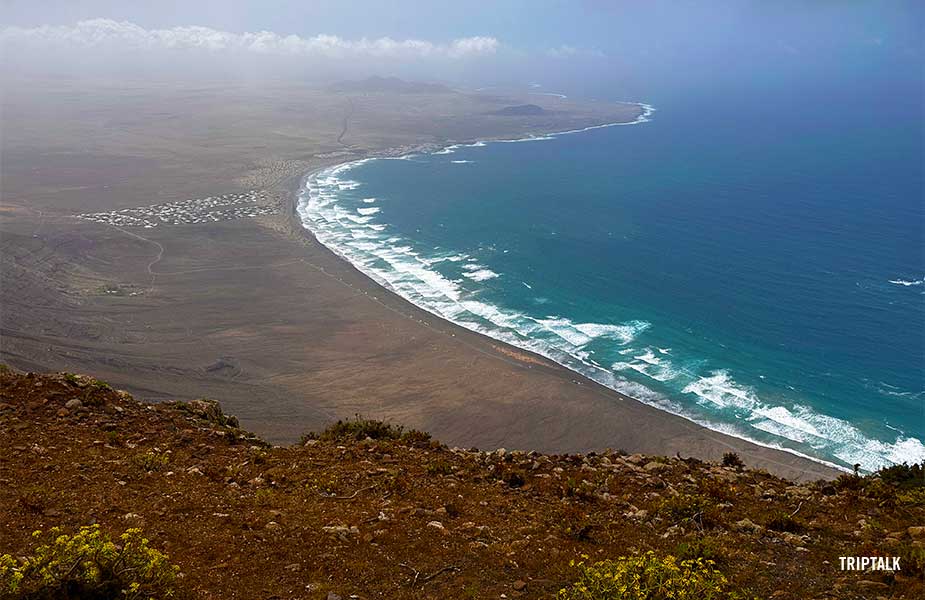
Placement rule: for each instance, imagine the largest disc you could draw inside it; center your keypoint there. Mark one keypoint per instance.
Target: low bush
(685, 508)
(151, 461)
(904, 475)
(88, 564)
(731, 459)
(647, 577)
(705, 548)
(783, 522)
(359, 428)
(912, 560)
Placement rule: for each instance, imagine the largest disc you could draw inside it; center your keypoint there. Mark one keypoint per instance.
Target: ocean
(754, 264)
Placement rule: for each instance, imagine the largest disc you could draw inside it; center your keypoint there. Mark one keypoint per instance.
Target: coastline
(712, 442)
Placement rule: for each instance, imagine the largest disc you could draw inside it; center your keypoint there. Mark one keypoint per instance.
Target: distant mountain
(392, 85)
(521, 110)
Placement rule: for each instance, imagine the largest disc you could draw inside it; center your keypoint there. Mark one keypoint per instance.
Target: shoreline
(513, 352)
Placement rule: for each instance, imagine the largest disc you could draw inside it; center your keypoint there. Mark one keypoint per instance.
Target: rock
(916, 533)
(63, 412)
(272, 525)
(635, 459)
(866, 584)
(747, 526)
(793, 539)
(436, 525)
(333, 596)
(656, 467)
(73, 404)
(212, 412)
(519, 585)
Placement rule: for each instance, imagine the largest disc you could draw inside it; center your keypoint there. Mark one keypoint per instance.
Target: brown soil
(409, 519)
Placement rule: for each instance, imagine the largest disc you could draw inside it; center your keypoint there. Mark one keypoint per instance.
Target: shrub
(151, 461)
(731, 459)
(439, 467)
(912, 560)
(514, 479)
(913, 497)
(685, 508)
(705, 548)
(88, 564)
(359, 429)
(647, 577)
(904, 475)
(718, 489)
(781, 521)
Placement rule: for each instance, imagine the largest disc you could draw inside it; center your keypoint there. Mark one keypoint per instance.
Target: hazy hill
(391, 85)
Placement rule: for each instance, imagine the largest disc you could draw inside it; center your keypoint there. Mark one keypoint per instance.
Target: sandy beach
(253, 311)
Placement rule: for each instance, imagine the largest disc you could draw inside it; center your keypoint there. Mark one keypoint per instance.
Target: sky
(632, 47)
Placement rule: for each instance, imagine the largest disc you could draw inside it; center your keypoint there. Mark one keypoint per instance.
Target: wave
(462, 162)
(368, 211)
(719, 402)
(834, 436)
(907, 282)
(481, 274)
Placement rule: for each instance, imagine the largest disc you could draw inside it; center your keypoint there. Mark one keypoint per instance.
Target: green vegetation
(359, 429)
(912, 560)
(685, 508)
(151, 461)
(731, 459)
(783, 522)
(705, 548)
(88, 564)
(904, 475)
(647, 577)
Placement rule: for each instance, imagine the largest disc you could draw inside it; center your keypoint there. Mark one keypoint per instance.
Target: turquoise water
(755, 266)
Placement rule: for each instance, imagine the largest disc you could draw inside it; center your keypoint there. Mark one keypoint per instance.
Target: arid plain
(245, 306)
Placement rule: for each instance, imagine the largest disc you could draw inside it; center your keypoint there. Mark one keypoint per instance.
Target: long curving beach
(290, 336)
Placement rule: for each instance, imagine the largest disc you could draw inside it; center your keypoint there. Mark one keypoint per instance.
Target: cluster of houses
(201, 210)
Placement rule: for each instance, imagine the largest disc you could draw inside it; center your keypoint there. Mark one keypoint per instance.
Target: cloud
(124, 35)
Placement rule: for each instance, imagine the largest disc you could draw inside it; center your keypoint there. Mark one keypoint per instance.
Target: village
(186, 212)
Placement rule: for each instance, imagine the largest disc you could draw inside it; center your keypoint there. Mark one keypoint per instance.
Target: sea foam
(393, 262)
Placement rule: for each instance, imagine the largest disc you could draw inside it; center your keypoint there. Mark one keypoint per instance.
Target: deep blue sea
(753, 262)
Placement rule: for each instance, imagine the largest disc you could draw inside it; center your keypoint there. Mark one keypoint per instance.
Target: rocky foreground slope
(365, 510)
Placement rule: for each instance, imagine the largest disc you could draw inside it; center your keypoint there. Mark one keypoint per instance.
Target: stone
(916, 532)
(519, 585)
(866, 584)
(73, 404)
(747, 526)
(656, 467)
(436, 524)
(333, 596)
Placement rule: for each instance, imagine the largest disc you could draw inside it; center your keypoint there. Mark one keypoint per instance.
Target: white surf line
(725, 429)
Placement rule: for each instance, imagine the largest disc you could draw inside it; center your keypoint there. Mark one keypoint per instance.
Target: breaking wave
(449, 285)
